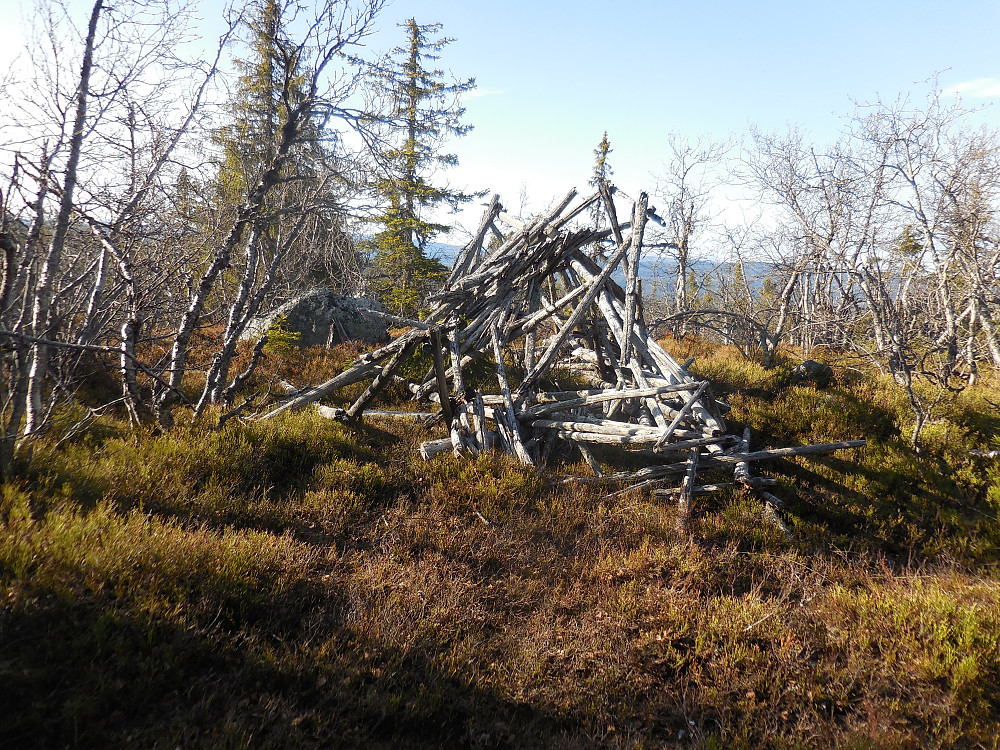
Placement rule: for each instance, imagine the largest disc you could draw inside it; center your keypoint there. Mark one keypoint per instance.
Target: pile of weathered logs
(542, 295)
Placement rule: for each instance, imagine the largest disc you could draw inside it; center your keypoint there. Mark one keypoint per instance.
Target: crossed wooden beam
(543, 287)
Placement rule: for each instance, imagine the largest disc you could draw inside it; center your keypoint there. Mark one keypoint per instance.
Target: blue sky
(553, 75)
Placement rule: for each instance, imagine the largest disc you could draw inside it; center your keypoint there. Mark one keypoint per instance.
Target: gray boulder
(817, 372)
(315, 316)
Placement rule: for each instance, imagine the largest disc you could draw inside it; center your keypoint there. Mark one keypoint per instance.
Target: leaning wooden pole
(506, 417)
(381, 380)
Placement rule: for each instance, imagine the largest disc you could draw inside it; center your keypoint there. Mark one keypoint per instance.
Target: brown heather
(300, 583)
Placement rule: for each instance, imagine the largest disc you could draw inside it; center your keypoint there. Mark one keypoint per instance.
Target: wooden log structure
(546, 302)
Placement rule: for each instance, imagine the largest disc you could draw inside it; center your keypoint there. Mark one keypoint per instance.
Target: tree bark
(41, 317)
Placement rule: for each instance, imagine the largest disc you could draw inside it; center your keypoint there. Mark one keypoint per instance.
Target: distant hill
(657, 272)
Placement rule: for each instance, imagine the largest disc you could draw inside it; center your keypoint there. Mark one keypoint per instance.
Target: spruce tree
(426, 111)
(602, 172)
(269, 83)
(247, 141)
(602, 169)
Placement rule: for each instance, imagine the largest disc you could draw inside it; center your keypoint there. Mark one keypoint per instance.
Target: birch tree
(311, 83)
(683, 187)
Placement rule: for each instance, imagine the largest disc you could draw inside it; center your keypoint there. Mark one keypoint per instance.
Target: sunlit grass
(303, 583)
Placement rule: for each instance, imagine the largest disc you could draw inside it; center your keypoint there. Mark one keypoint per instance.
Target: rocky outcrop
(323, 317)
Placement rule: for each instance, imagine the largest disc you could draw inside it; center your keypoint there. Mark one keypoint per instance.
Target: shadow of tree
(100, 672)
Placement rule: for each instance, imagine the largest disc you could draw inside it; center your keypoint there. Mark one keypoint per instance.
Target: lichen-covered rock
(817, 372)
(311, 316)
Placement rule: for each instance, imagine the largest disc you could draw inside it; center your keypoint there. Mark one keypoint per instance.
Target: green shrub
(280, 340)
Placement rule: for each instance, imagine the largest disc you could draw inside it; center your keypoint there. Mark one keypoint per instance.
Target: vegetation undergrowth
(300, 582)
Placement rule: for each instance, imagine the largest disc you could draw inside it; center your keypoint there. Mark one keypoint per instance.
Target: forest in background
(147, 197)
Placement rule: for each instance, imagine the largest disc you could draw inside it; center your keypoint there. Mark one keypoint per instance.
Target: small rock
(813, 371)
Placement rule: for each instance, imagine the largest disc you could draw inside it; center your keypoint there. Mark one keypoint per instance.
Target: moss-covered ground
(302, 583)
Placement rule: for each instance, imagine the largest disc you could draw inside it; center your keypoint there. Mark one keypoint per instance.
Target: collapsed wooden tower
(546, 290)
